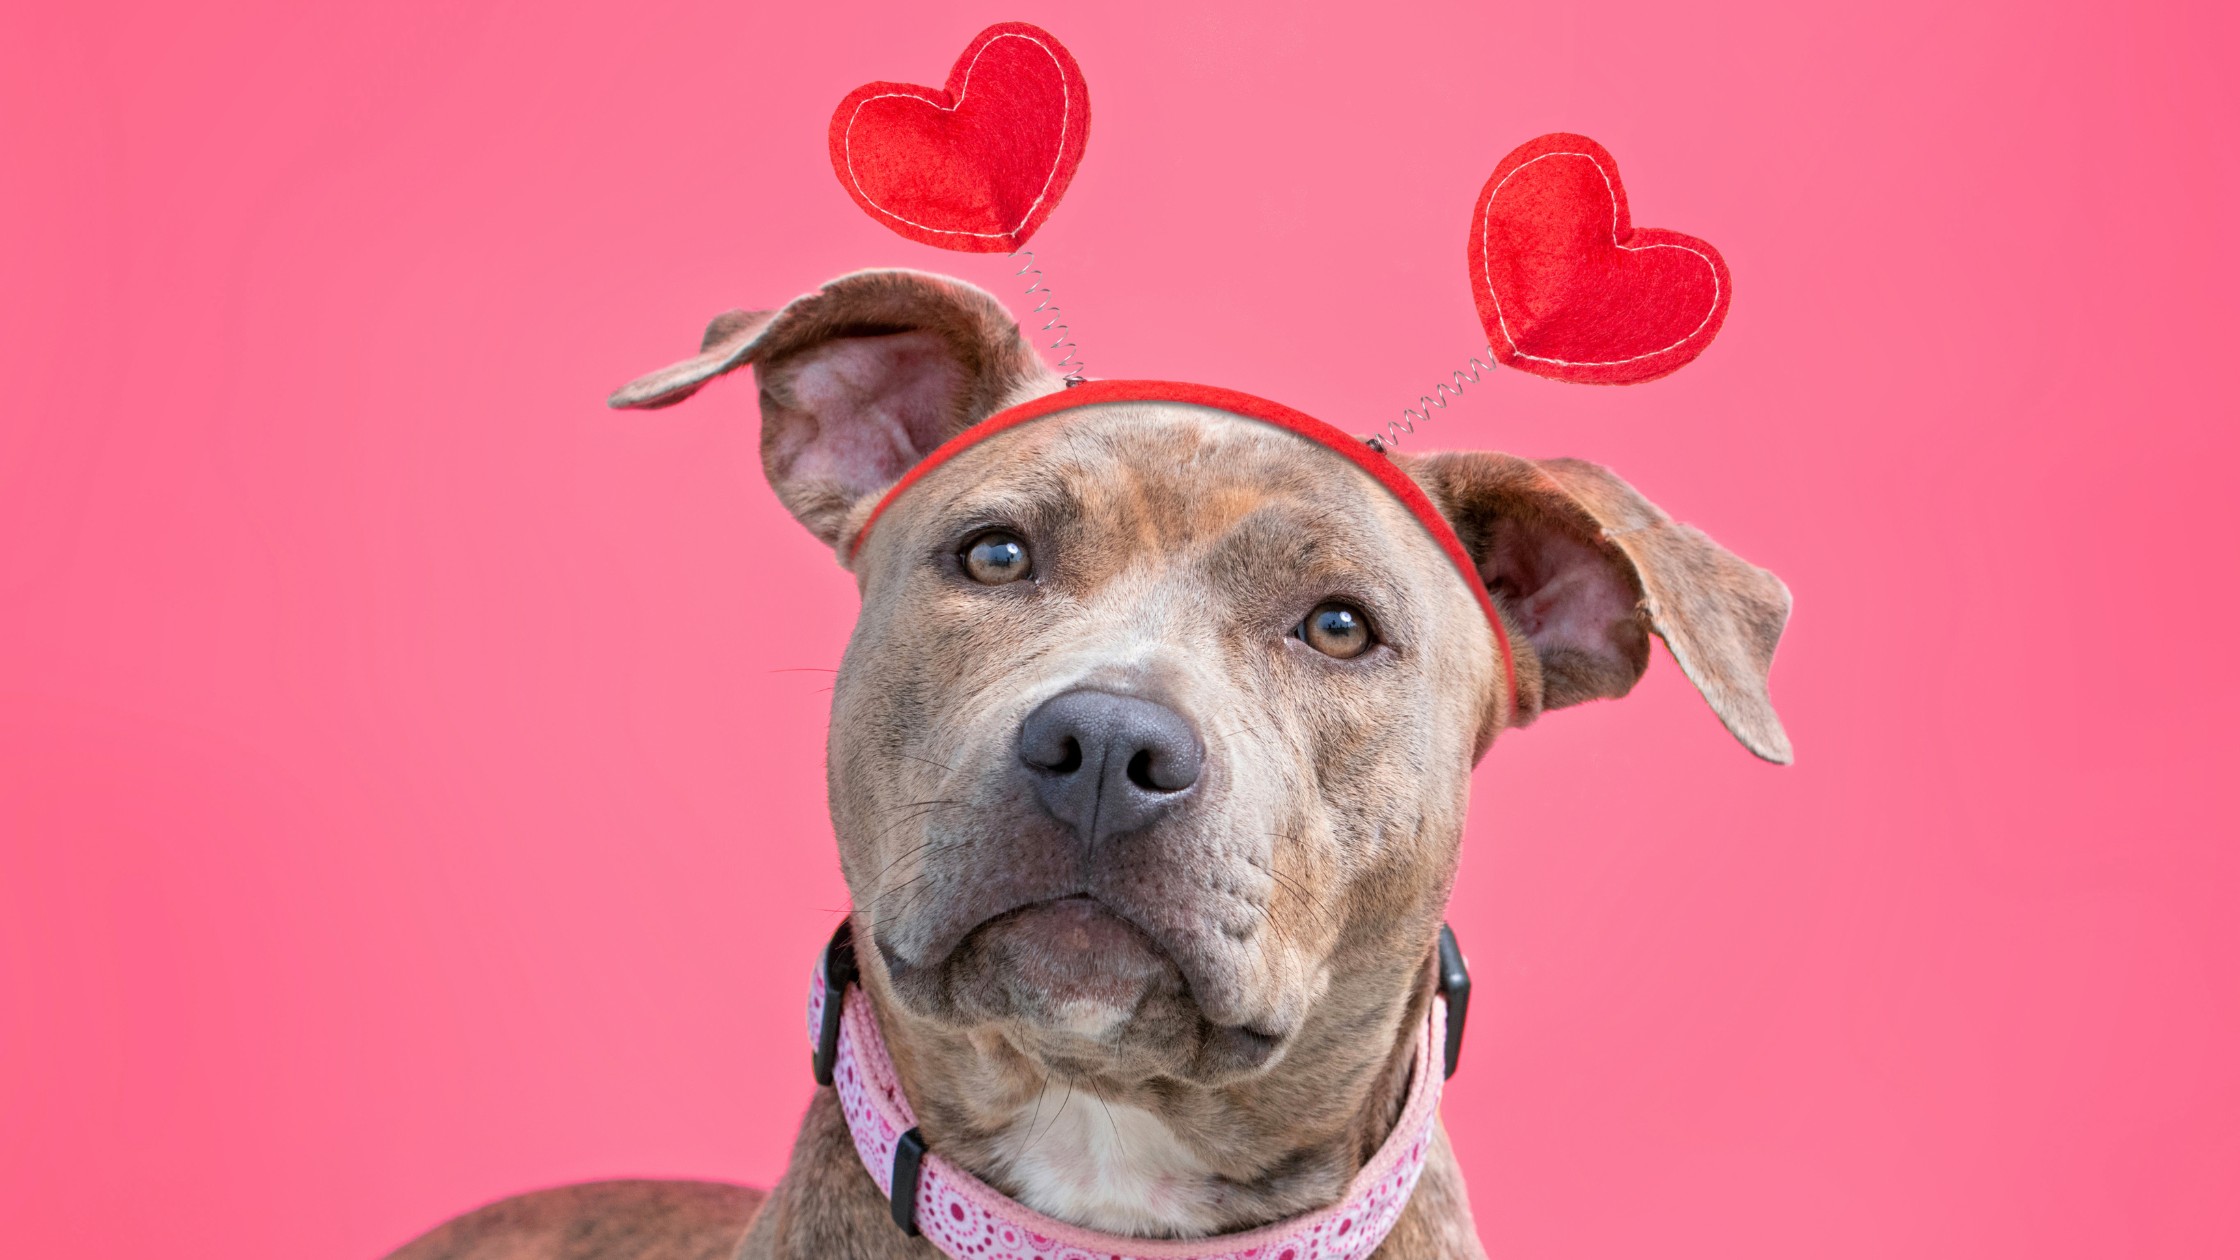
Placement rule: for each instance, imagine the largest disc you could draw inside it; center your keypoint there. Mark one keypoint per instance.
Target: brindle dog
(1148, 764)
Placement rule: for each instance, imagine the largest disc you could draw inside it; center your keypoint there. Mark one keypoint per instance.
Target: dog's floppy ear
(859, 380)
(1586, 568)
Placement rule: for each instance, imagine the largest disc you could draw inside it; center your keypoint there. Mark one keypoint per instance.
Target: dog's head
(1150, 751)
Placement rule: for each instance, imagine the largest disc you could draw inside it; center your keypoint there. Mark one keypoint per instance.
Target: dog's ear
(859, 381)
(1585, 568)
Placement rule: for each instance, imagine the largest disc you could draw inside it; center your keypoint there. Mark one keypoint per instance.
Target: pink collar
(966, 1219)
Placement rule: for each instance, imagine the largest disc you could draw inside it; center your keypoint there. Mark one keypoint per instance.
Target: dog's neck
(1160, 1158)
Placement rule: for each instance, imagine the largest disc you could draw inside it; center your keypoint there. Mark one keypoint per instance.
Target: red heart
(1567, 287)
(978, 166)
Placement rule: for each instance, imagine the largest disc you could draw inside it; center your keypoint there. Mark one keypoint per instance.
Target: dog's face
(1150, 751)
(1150, 713)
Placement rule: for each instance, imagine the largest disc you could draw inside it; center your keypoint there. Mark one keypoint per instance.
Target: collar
(966, 1219)
(1369, 456)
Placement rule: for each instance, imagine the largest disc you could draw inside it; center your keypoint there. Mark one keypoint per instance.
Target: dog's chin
(1070, 967)
(1082, 989)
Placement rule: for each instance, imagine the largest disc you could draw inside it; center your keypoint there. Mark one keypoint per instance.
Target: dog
(1148, 765)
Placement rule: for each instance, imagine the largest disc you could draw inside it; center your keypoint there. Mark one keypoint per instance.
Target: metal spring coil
(1437, 400)
(1061, 335)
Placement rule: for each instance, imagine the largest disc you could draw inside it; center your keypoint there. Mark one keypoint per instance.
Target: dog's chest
(1111, 1167)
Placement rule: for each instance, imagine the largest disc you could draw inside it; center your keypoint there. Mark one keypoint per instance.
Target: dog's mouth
(1083, 978)
(1072, 963)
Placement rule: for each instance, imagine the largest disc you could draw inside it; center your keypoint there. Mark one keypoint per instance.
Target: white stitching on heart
(1485, 265)
(1065, 116)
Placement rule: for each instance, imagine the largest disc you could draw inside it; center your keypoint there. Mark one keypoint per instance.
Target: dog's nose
(1106, 764)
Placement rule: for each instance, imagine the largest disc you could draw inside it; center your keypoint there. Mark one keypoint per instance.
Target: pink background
(410, 786)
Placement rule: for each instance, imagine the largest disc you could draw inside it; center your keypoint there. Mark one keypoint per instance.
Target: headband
(1369, 459)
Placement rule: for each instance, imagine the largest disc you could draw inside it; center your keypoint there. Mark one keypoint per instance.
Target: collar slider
(839, 972)
(902, 1187)
(1454, 983)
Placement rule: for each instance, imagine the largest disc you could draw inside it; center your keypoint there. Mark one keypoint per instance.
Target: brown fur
(1269, 939)
(601, 1220)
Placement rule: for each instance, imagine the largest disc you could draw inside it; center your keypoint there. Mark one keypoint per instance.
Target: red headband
(1352, 448)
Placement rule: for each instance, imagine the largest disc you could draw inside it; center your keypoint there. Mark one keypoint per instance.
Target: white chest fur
(1114, 1168)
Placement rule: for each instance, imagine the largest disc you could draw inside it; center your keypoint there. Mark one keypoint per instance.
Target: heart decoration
(976, 166)
(1568, 288)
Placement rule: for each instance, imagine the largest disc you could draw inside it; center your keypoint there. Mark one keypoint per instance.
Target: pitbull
(1148, 764)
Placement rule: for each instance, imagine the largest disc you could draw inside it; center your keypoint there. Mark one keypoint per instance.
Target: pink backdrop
(410, 782)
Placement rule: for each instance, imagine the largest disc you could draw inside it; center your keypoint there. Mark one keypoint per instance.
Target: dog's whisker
(904, 856)
(892, 889)
(914, 804)
(905, 821)
(881, 914)
(1299, 898)
(919, 898)
(1299, 892)
(885, 895)
(923, 886)
(1027, 1134)
(1106, 1103)
(1055, 1116)
(921, 809)
(931, 843)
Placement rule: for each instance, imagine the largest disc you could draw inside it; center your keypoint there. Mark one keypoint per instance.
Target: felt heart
(977, 166)
(1566, 285)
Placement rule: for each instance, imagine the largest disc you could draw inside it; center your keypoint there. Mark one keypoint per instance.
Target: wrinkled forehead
(1164, 479)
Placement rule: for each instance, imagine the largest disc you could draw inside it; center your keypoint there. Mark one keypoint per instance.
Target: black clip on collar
(839, 973)
(1454, 982)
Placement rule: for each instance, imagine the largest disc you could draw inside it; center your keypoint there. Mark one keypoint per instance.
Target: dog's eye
(994, 558)
(1336, 629)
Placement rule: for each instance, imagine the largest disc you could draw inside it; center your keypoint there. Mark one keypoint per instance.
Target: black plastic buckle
(1454, 982)
(839, 973)
(902, 1188)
